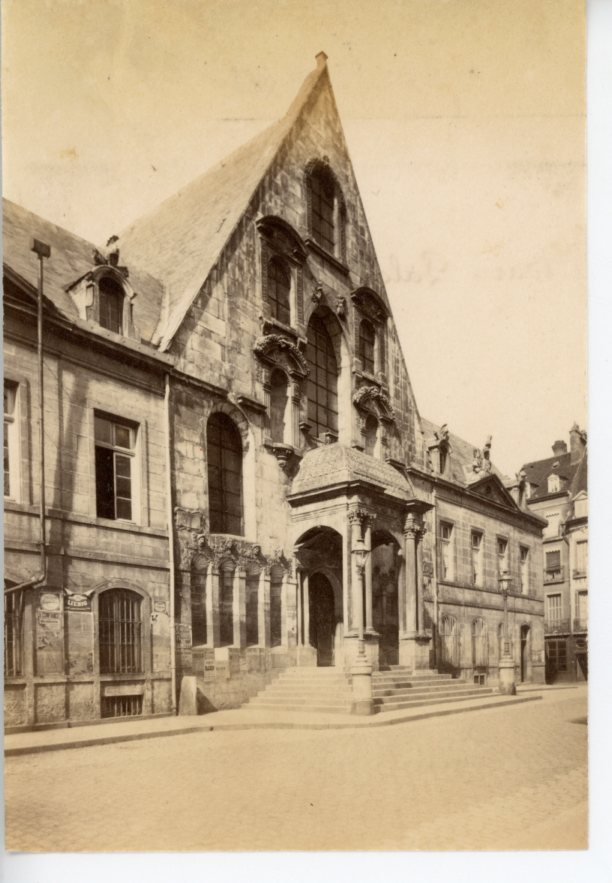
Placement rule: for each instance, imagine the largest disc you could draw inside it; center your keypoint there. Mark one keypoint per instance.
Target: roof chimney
(321, 58)
(559, 447)
(577, 444)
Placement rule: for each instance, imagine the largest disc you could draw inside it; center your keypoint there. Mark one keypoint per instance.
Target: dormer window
(110, 304)
(554, 484)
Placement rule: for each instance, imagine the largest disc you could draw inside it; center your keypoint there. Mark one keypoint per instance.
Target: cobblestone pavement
(509, 778)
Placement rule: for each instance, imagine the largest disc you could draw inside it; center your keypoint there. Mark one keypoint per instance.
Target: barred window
(13, 634)
(120, 632)
(367, 341)
(323, 379)
(110, 295)
(279, 290)
(322, 196)
(224, 448)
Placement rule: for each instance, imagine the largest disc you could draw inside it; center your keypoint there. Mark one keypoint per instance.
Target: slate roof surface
(537, 473)
(181, 240)
(332, 464)
(461, 456)
(71, 258)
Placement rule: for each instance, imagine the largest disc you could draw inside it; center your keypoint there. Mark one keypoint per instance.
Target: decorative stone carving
(369, 305)
(361, 515)
(317, 294)
(413, 525)
(341, 308)
(274, 349)
(372, 400)
(109, 258)
(282, 238)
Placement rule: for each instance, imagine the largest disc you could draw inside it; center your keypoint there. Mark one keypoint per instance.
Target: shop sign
(49, 601)
(78, 601)
(159, 606)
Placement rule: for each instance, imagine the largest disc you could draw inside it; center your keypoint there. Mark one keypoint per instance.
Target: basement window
(115, 468)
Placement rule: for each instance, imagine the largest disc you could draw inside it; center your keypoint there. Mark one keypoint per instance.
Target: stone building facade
(557, 490)
(229, 416)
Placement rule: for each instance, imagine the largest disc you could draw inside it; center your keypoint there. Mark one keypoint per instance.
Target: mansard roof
(331, 465)
(575, 474)
(461, 458)
(182, 239)
(71, 259)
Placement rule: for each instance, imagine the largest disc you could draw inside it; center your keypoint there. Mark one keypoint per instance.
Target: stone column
(239, 608)
(414, 643)
(213, 637)
(263, 609)
(306, 611)
(368, 574)
(356, 588)
(294, 416)
(411, 534)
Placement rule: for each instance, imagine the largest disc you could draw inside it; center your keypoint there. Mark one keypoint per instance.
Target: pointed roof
(182, 239)
(71, 258)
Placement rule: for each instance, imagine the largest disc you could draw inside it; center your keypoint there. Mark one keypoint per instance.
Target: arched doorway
(322, 618)
(385, 612)
(525, 653)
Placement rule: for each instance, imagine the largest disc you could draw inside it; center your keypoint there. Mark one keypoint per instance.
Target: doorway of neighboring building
(525, 653)
(322, 618)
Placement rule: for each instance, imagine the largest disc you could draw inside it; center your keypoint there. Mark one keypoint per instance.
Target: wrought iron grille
(120, 632)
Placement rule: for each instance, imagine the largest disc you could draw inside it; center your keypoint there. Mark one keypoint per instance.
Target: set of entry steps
(328, 690)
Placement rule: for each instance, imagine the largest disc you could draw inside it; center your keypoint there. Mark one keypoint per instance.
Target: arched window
(120, 632)
(322, 203)
(367, 339)
(371, 434)
(276, 606)
(323, 379)
(224, 449)
(110, 300)
(226, 604)
(278, 405)
(279, 289)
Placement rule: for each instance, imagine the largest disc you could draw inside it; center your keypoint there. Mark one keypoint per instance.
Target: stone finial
(321, 58)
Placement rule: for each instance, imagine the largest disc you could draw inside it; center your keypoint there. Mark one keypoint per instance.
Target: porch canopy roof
(336, 469)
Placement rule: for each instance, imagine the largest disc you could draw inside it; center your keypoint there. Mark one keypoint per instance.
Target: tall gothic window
(322, 196)
(367, 338)
(279, 290)
(323, 379)
(224, 448)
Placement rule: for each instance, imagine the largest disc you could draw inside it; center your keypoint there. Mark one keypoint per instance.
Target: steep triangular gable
(491, 488)
(182, 240)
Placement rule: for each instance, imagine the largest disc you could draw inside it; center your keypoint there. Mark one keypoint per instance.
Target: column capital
(413, 525)
(361, 515)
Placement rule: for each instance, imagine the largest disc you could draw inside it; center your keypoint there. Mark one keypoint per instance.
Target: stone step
(285, 690)
(402, 681)
(338, 708)
(457, 687)
(398, 705)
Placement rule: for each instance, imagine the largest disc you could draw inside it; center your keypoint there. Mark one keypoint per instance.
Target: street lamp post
(507, 685)
(361, 670)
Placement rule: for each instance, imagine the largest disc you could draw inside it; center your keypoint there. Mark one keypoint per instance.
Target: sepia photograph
(296, 504)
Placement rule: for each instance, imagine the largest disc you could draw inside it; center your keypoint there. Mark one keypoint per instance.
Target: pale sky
(465, 123)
